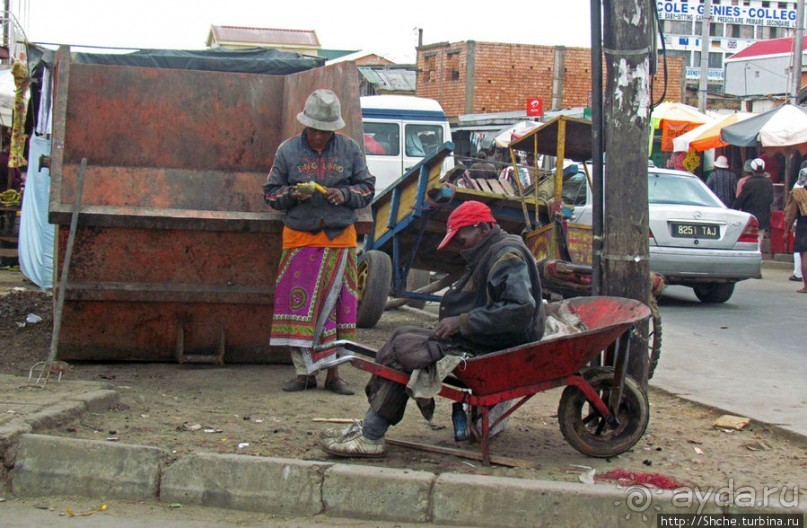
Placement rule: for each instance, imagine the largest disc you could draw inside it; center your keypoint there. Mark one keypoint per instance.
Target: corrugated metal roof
(391, 79)
(763, 48)
(280, 37)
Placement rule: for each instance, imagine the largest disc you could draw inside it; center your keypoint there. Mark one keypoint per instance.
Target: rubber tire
(714, 292)
(634, 415)
(374, 282)
(415, 279)
(653, 337)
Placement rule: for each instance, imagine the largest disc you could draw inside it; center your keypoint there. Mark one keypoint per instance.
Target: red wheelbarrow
(602, 412)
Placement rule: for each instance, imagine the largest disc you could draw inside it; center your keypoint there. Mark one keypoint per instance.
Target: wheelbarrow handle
(346, 344)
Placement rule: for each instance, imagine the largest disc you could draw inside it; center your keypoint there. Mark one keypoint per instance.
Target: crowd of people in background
(754, 191)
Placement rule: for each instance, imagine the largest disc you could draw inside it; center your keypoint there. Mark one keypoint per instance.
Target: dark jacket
(723, 183)
(498, 298)
(756, 198)
(340, 165)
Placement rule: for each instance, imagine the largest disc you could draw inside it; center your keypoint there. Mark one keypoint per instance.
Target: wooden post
(627, 44)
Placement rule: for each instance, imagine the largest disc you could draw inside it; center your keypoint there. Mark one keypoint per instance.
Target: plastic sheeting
(251, 60)
(35, 244)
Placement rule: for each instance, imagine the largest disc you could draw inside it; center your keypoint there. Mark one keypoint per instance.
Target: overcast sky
(385, 27)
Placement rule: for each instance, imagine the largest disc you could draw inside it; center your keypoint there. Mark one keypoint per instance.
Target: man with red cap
(496, 304)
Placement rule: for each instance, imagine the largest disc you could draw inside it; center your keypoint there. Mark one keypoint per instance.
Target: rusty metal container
(175, 252)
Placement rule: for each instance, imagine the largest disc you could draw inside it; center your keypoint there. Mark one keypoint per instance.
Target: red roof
(283, 37)
(762, 48)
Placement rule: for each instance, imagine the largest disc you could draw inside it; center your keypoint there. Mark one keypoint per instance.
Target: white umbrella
(782, 126)
(504, 137)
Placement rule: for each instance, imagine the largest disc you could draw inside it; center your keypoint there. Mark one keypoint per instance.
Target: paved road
(748, 356)
(49, 512)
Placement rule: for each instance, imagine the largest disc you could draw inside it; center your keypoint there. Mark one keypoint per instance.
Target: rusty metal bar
(68, 255)
(147, 292)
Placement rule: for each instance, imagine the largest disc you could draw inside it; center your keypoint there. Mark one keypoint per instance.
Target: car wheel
(714, 292)
(416, 279)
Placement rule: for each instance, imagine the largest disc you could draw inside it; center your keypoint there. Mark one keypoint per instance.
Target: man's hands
(335, 196)
(300, 194)
(303, 192)
(447, 327)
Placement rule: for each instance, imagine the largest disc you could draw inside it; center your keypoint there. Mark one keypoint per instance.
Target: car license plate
(695, 231)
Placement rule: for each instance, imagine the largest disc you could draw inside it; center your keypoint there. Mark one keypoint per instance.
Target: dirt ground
(241, 409)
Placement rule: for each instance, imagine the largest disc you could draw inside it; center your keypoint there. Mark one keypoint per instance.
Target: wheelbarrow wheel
(653, 337)
(585, 428)
(374, 280)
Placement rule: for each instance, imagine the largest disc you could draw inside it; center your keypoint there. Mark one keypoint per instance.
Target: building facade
(734, 25)
(472, 77)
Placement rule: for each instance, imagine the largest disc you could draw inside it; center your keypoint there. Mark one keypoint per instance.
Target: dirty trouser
(408, 348)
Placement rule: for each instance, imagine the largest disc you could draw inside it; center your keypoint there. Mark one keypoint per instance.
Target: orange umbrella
(674, 119)
(707, 136)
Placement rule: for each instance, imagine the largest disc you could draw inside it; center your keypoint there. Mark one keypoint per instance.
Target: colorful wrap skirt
(315, 300)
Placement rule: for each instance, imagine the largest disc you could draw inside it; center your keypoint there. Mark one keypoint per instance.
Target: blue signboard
(728, 14)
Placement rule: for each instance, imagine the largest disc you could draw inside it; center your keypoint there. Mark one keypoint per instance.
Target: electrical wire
(664, 55)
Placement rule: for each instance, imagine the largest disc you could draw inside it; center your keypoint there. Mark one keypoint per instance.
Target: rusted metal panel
(175, 247)
(146, 331)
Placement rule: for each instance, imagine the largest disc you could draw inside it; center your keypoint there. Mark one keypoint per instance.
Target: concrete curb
(777, 264)
(74, 406)
(58, 466)
(50, 465)
(269, 485)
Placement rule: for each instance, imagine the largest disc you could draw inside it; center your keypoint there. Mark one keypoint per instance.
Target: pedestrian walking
(796, 213)
(757, 197)
(723, 182)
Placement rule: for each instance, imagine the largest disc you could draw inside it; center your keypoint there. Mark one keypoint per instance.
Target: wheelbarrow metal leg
(591, 395)
(620, 371)
(485, 441)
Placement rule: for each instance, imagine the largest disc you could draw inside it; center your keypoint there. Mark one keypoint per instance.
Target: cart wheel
(416, 279)
(653, 337)
(374, 280)
(587, 431)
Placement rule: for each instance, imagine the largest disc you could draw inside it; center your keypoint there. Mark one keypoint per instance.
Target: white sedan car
(695, 240)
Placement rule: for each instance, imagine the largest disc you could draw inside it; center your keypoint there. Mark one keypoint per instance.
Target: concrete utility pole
(625, 253)
(798, 39)
(791, 169)
(703, 87)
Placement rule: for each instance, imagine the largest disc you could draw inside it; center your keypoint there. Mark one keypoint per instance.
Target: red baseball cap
(467, 214)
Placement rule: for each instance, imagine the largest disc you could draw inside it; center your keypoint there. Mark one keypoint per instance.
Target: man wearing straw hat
(318, 179)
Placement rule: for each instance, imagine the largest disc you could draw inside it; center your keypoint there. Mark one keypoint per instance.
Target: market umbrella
(707, 135)
(674, 119)
(782, 126)
(503, 137)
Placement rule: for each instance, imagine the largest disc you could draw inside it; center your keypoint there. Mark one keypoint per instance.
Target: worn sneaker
(354, 444)
(335, 433)
(794, 278)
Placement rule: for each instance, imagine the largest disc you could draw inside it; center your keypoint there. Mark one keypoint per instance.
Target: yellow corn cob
(311, 187)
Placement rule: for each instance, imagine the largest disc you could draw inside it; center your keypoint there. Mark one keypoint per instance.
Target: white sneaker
(354, 444)
(335, 433)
